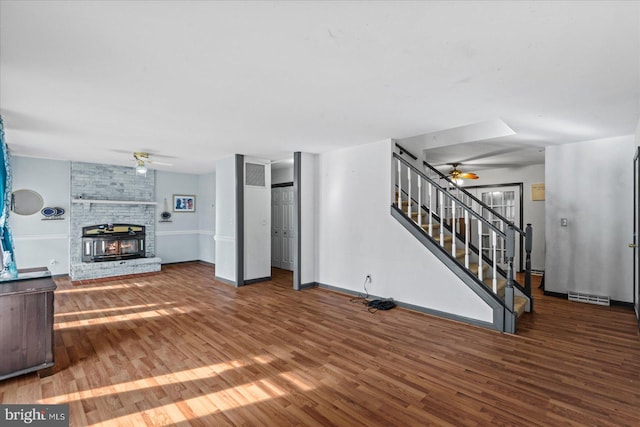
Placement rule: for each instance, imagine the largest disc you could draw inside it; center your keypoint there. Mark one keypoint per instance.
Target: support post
(528, 243)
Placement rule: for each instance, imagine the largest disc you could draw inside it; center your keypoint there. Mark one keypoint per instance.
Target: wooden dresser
(26, 322)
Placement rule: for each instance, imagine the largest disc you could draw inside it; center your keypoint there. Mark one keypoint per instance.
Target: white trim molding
(184, 232)
(112, 202)
(28, 237)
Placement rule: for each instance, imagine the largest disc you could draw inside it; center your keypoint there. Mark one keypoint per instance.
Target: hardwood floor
(180, 348)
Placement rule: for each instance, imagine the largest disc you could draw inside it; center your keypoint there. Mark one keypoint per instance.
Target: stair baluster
(419, 202)
(430, 216)
(479, 249)
(399, 184)
(409, 192)
(441, 218)
(494, 281)
(453, 228)
(466, 239)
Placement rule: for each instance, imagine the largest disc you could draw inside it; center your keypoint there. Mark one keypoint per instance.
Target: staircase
(477, 243)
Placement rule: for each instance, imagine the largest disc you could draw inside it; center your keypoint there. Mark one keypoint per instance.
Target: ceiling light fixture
(141, 168)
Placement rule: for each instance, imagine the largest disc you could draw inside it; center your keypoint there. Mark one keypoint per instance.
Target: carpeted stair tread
(502, 283)
(434, 226)
(459, 252)
(447, 240)
(414, 213)
(474, 268)
(519, 305)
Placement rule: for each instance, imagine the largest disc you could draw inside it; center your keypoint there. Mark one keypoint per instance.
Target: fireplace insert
(111, 242)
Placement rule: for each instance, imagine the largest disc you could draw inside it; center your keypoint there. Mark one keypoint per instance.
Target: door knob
(633, 245)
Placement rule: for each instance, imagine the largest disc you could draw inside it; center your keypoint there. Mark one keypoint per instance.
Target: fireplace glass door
(106, 247)
(129, 246)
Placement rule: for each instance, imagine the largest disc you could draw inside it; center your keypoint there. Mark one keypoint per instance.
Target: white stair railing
(447, 202)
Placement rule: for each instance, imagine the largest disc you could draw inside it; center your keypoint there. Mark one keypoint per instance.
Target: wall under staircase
(357, 236)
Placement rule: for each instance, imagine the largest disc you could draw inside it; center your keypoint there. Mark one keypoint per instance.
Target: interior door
(282, 231)
(636, 227)
(288, 232)
(276, 227)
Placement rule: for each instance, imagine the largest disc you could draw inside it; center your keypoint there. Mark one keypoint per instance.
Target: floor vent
(588, 298)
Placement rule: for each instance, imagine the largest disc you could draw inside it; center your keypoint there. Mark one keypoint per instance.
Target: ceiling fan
(142, 159)
(457, 175)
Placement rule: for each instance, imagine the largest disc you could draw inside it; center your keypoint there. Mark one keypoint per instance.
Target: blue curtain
(8, 259)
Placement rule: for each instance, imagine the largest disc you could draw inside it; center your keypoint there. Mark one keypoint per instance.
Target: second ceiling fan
(457, 175)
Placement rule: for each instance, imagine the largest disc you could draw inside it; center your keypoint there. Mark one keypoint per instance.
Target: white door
(287, 228)
(282, 231)
(276, 227)
(506, 202)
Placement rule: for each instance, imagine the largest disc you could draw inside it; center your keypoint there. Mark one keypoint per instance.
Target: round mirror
(26, 202)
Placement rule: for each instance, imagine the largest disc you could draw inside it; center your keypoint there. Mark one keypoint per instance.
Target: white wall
(636, 292)
(281, 174)
(37, 242)
(178, 240)
(206, 217)
(533, 211)
(590, 184)
(308, 220)
(358, 236)
(257, 226)
(225, 217)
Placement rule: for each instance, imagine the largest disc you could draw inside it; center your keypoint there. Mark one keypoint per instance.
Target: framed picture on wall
(184, 203)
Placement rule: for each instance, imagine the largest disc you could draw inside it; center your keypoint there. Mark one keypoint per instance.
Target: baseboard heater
(589, 298)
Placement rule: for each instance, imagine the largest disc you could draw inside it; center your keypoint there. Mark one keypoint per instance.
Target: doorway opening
(283, 232)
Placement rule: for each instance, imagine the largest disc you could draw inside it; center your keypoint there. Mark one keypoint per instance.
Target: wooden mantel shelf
(112, 202)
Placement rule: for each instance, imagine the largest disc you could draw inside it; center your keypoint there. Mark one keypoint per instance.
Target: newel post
(510, 320)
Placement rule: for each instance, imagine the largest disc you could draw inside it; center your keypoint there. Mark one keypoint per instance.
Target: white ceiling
(195, 81)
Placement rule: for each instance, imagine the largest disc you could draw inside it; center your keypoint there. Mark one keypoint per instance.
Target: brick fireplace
(110, 196)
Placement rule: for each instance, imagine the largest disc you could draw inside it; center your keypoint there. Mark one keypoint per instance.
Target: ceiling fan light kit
(141, 168)
(142, 159)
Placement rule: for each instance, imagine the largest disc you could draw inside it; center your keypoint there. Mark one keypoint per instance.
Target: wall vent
(254, 175)
(588, 298)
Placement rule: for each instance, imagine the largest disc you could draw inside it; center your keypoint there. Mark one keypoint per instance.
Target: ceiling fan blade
(468, 175)
(153, 162)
